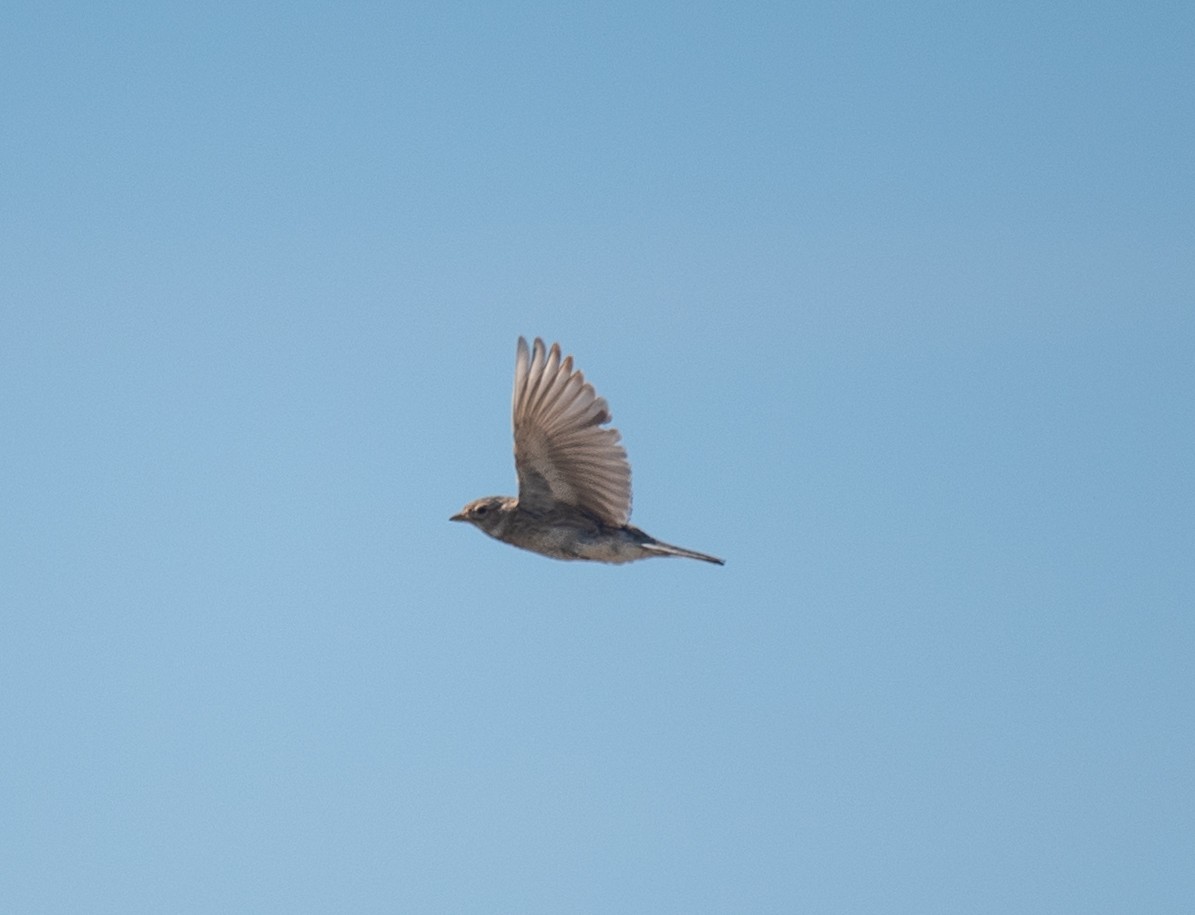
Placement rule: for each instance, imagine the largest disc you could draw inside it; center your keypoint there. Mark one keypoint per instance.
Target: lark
(574, 497)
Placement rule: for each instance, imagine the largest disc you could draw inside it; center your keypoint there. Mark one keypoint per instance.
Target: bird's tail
(667, 549)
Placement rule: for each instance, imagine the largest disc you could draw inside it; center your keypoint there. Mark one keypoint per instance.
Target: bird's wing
(561, 452)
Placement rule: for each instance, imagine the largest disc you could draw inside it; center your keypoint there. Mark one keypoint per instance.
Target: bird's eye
(480, 510)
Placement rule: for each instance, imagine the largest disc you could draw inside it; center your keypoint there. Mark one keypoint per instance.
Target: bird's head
(489, 514)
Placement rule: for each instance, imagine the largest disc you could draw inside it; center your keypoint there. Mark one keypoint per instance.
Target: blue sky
(895, 309)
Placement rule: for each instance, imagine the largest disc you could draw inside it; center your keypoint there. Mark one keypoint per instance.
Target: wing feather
(562, 453)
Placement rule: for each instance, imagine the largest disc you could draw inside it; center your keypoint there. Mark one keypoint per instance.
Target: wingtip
(537, 350)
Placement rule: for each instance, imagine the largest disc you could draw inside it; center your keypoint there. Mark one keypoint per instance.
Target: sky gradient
(894, 308)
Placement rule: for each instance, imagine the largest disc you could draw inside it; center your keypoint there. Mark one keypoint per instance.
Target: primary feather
(562, 453)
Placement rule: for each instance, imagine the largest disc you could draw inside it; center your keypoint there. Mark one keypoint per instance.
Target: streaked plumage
(574, 478)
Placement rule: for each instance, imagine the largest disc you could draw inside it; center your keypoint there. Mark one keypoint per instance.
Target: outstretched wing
(561, 452)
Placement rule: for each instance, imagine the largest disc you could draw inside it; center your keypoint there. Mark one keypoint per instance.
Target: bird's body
(574, 497)
(565, 532)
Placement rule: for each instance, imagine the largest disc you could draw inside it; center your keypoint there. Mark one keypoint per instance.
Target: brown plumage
(574, 478)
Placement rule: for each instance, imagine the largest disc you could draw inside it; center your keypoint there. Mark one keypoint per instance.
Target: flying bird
(574, 497)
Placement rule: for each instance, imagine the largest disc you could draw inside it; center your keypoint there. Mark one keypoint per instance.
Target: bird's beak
(458, 517)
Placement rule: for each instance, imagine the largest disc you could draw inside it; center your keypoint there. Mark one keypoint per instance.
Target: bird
(574, 497)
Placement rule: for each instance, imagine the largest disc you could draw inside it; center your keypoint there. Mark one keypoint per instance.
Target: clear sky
(894, 306)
